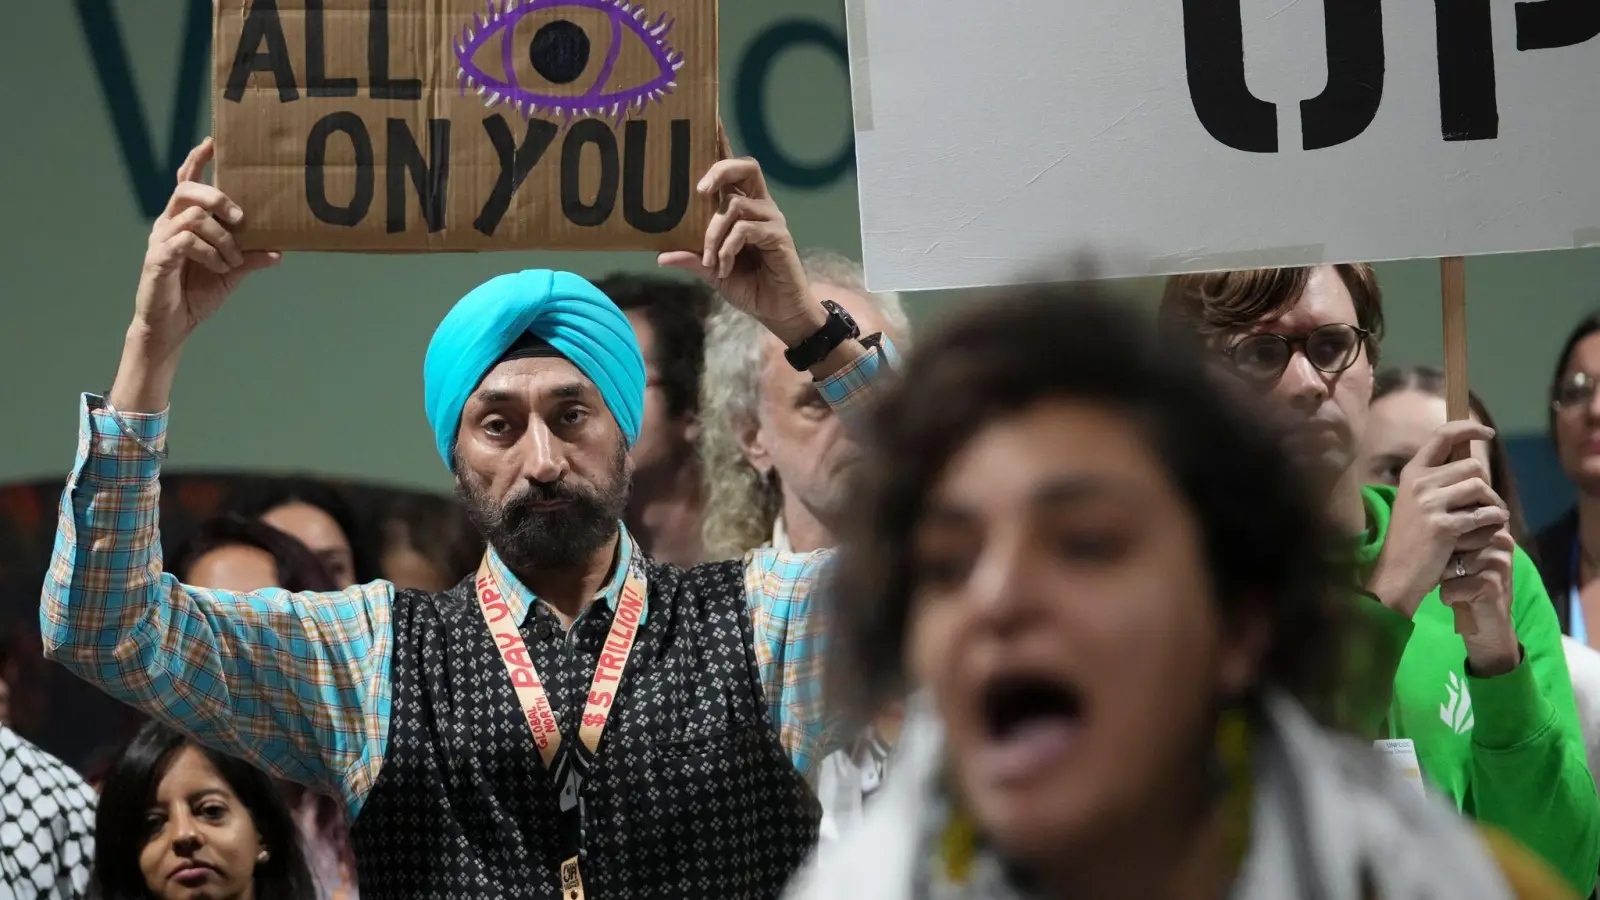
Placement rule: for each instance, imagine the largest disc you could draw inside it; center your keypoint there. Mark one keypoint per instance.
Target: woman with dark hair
(178, 821)
(230, 552)
(319, 516)
(1569, 548)
(1120, 608)
(1407, 408)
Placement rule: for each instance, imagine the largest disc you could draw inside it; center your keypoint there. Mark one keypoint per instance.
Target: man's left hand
(1486, 591)
(749, 256)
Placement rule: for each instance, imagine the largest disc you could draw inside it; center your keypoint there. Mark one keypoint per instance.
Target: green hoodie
(1506, 749)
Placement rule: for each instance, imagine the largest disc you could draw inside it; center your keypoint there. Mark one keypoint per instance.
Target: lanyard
(1576, 626)
(568, 763)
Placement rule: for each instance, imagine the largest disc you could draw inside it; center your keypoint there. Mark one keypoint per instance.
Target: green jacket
(1507, 749)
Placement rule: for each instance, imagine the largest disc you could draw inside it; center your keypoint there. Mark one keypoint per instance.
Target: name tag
(1401, 754)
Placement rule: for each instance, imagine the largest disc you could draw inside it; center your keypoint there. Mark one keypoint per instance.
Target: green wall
(317, 365)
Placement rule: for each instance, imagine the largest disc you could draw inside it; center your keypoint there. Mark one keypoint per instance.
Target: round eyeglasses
(1330, 349)
(1576, 391)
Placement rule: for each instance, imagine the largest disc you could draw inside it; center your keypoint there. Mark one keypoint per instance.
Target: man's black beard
(529, 539)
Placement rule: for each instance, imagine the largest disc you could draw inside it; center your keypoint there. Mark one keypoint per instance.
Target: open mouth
(1031, 722)
(1017, 703)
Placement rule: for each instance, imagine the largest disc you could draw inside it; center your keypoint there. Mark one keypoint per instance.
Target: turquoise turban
(560, 308)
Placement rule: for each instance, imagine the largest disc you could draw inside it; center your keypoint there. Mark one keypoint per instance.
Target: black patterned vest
(692, 795)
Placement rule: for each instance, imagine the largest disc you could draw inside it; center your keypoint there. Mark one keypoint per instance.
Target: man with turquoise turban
(573, 721)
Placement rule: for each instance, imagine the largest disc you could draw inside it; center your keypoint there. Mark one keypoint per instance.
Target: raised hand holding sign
(192, 264)
(748, 254)
(1442, 508)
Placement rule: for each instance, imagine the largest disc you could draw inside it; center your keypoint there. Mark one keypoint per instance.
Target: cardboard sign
(387, 125)
(1163, 136)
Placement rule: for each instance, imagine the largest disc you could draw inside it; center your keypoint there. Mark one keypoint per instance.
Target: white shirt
(845, 781)
(780, 537)
(1583, 664)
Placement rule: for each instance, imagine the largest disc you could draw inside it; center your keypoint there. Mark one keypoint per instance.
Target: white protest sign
(1167, 136)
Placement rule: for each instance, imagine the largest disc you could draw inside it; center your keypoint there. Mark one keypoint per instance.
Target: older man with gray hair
(773, 453)
(776, 461)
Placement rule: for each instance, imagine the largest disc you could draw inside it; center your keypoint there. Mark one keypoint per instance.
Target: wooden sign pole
(1453, 283)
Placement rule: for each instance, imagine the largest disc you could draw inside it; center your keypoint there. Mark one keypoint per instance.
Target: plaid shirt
(298, 684)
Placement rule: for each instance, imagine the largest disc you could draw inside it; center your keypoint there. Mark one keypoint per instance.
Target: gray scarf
(1328, 814)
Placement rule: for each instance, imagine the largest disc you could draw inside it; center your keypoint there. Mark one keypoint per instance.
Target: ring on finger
(1461, 567)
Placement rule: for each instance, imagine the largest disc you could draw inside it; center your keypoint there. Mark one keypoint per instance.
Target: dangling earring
(954, 843)
(263, 856)
(1231, 767)
(958, 846)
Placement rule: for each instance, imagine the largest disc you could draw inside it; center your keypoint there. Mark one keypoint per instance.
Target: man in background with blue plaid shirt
(576, 720)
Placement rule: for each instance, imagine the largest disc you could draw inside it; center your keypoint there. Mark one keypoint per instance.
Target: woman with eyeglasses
(1568, 549)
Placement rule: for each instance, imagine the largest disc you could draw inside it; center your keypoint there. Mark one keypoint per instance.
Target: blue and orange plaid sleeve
(781, 591)
(297, 684)
(849, 389)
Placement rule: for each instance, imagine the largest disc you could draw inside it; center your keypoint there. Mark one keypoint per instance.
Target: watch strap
(838, 328)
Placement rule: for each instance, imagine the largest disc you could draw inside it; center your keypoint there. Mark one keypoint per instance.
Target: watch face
(839, 311)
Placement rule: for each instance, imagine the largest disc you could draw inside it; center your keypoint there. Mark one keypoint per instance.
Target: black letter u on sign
(1213, 34)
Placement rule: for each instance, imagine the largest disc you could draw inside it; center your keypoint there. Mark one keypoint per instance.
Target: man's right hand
(192, 263)
(190, 267)
(1440, 508)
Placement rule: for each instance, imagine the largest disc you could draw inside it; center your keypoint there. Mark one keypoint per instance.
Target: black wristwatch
(814, 349)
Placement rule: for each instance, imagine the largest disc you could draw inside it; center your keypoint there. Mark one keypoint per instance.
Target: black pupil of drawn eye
(559, 52)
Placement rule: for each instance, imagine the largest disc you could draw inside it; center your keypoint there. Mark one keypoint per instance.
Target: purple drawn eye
(564, 58)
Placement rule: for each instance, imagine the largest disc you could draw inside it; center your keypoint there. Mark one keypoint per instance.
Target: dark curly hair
(1265, 539)
(676, 310)
(128, 790)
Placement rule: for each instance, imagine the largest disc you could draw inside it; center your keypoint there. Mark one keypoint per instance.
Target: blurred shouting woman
(1115, 601)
